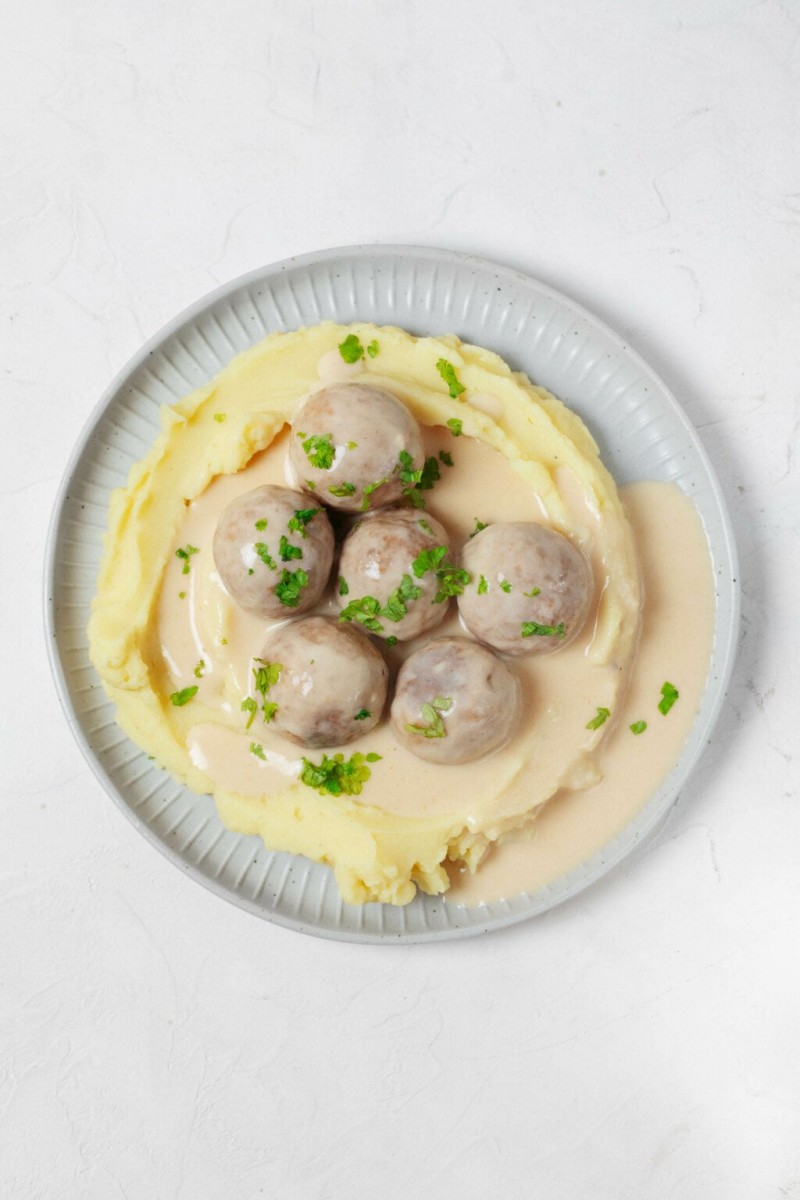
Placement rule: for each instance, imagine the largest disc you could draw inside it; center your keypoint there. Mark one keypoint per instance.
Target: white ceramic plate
(642, 432)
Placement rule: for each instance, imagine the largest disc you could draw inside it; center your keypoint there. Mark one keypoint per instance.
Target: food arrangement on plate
(379, 596)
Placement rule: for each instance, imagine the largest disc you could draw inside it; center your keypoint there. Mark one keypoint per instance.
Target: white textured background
(641, 1041)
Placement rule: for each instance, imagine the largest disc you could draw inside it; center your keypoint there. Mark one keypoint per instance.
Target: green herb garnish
(351, 349)
(344, 589)
(420, 480)
(301, 518)
(425, 527)
(181, 595)
(343, 489)
(185, 555)
(368, 490)
(262, 550)
(261, 524)
(319, 450)
(446, 457)
(600, 719)
(265, 675)
(287, 551)
(219, 417)
(184, 696)
(452, 580)
(669, 694)
(336, 776)
(428, 560)
(372, 348)
(391, 641)
(362, 715)
(533, 592)
(505, 586)
(533, 628)
(479, 525)
(638, 727)
(290, 586)
(249, 705)
(396, 606)
(483, 586)
(199, 670)
(448, 374)
(365, 611)
(455, 426)
(257, 749)
(432, 714)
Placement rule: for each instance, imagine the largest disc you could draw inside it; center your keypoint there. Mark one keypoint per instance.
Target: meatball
(322, 684)
(273, 551)
(530, 588)
(346, 445)
(391, 574)
(455, 701)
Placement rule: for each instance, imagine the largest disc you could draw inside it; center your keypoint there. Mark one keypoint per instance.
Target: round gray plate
(642, 432)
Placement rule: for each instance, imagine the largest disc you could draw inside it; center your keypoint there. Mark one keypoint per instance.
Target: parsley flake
(351, 349)
(249, 705)
(533, 628)
(287, 551)
(265, 675)
(391, 641)
(261, 524)
(183, 696)
(479, 525)
(181, 595)
(185, 555)
(372, 348)
(448, 374)
(337, 776)
(600, 719)
(669, 694)
(319, 450)
(257, 749)
(301, 518)
(455, 426)
(290, 586)
(343, 489)
(367, 494)
(396, 606)
(344, 589)
(262, 550)
(219, 417)
(533, 592)
(432, 715)
(446, 457)
(365, 611)
(362, 715)
(505, 585)
(428, 560)
(199, 670)
(638, 726)
(483, 586)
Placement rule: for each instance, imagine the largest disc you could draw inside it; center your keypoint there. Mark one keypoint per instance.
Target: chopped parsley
(362, 715)
(352, 445)
(425, 527)
(446, 457)
(638, 727)
(185, 555)
(366, 611)
(533, 592)
(600, 719)
(319, 450)
(669, 694)
(183, 696)
(290, 586)
(455, 426)
(479, 525)
(338, 776)
(391, 641)
(287, 551)
(344, 589)
(343, 489)
(261, 524)
(301, 518)
(257, 749)
(219, 417)
(351, 349)
(505, 585)
(396, 606)
(265, 675)
(262, 550)
(372, 348)
(448, 374)
(533, 628)
(199, 670)
(368, 490)
(432, 715)
(312, 487)
(181, 595)
(249, 705)
(428, 560)
(420, 480)
(483, 586)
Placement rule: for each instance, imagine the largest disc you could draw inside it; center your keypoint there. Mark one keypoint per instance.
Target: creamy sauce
(675, 645)
(560, 691)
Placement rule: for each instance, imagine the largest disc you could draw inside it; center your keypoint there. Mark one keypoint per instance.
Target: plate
(642, 433)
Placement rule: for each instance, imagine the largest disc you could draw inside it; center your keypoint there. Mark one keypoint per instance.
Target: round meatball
(391, 572)
(274, 551)
(331, 685)
(455, 701)
(530, 588)
(346, 446)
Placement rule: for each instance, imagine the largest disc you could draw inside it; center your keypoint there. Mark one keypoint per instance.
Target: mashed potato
(516, 440)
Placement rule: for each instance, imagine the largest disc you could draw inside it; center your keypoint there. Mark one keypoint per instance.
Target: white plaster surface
(642, 1041)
